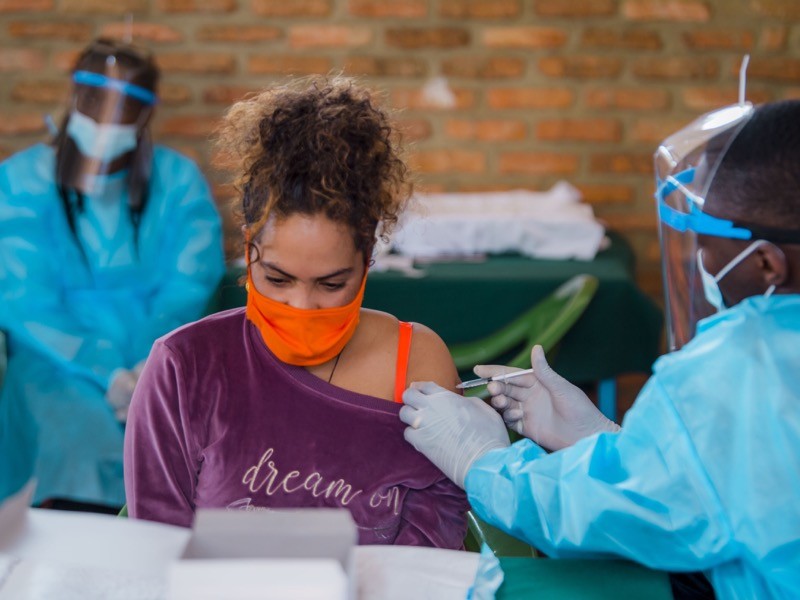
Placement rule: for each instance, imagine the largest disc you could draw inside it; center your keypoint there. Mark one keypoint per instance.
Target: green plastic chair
(544, 324)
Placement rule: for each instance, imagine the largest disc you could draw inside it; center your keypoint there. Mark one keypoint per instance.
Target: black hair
(759, 175)
(140, 69)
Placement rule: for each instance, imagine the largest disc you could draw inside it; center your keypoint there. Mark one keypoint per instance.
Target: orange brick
(25, 6)
(575, 8)
(632, 221)
(22, 123)
(676, 68)
(619, 163)
(64, 60)
(196, 6)
(75, 32)
(627, 99)
(415, 99)
(782, 9)
(152, 32)
(402, 9)
(583, 130)
(630, 39)
(524, 37)
(719, 40)
(40, 92)
(238, 33)
(292, 8)
(606, 193)
(329, 36)
(774, 37)
(666, 10)
(492, 187)
(502, 98)
(189, 126)
(711, 97)
(414, 130)
(448, 161)
(427, 37)
(772, 69)
(583, 67)
(483, 68)
(283, 64)
(226, 94)
(537, 163)
(480, 9)
(173, 94)
(791, 93)
(654, 131)
(486, 130)
(20, 60)
(104, 7)
(196, 62)
(386, 66)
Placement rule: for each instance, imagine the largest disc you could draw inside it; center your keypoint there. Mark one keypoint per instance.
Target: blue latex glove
(452, 431)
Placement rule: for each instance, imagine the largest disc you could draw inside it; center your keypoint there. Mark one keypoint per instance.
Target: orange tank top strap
(403, 352)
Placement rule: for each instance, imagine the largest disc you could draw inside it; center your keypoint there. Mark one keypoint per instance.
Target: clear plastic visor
(685, 166)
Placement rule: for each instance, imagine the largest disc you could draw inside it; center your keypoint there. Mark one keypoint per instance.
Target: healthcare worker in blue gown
(106, 243)
(704, 474)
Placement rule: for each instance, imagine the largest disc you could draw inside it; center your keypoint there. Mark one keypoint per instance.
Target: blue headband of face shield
(705, 224)
(124, 87)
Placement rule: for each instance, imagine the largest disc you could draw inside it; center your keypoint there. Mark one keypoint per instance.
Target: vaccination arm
(192, 260)
(31, 294)
(640, 494)
(161, 454)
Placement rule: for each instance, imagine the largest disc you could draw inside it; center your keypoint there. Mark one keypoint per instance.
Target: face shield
(112, 103)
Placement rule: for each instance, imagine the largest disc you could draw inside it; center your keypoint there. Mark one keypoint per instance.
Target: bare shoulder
(430, 359)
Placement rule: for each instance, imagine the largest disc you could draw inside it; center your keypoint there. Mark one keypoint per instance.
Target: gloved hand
(120, 391)
(452, 431)
(543, 406)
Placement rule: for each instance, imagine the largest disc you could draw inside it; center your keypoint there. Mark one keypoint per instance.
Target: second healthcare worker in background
(705, 472)
(106, 243)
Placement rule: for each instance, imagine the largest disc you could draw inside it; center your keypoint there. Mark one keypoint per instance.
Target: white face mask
(101, 141)
(710, 282)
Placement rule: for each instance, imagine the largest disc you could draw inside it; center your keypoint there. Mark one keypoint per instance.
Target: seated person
(107, 242)
(293, 400)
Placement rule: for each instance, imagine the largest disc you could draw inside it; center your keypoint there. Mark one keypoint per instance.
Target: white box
(282, 553)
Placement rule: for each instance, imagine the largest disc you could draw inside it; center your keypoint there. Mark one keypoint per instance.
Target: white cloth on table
(554, 224)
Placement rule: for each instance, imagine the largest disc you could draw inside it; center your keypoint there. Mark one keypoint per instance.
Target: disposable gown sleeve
(193, 262)
(161, 456)
(641, 494)
(31, 304)
(434, 517)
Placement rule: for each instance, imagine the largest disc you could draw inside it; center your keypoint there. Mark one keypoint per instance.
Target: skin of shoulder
(429, 358)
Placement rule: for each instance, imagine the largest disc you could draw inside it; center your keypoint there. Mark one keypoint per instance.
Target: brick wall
(543, 89)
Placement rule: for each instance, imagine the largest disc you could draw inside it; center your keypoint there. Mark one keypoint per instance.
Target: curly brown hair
(316, 145)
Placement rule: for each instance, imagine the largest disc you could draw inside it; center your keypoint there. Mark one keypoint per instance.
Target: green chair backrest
(544, 324)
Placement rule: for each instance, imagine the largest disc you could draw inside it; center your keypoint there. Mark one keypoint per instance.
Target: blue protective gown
(705, 474)
(72, 321)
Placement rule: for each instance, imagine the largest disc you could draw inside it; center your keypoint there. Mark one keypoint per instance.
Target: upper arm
(430, 359)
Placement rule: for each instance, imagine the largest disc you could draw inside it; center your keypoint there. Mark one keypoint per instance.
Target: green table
(545, 579)
(462, 301)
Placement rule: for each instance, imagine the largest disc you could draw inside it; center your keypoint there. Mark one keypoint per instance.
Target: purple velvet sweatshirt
(218, 421)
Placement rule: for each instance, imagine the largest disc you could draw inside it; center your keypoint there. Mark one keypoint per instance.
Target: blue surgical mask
(711, 282)
(101, 141)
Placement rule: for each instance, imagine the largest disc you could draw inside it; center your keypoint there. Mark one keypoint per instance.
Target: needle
(484, 380)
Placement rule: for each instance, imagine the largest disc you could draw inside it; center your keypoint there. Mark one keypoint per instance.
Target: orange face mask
(303, 337)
